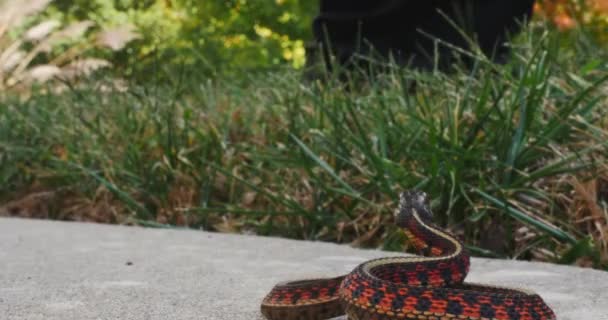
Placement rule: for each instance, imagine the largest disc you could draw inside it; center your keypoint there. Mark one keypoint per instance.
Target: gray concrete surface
(59, 270)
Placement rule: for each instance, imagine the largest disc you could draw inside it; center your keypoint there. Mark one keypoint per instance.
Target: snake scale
(429, 287)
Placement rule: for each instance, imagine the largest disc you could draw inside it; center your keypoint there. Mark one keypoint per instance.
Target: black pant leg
(405, 28)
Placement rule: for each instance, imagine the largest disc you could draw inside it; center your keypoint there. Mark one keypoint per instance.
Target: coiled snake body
(429, 287)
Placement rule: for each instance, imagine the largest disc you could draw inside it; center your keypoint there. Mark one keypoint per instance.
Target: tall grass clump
(513, 156)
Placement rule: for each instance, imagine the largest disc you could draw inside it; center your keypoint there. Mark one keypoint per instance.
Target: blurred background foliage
(221, 37)
(35, 48)
(215, 36)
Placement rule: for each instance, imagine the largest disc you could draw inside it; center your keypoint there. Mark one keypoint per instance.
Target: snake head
(411, 202)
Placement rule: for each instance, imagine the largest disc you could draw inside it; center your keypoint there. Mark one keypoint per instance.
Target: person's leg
(487, 22)
(492, 30)
(349, 27)
(406, 28)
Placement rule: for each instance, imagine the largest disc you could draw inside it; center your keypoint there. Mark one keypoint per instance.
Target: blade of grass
(516, 214)
(122, 195)
(327, 168)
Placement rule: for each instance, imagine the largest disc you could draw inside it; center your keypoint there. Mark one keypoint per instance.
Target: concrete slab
(60, 270)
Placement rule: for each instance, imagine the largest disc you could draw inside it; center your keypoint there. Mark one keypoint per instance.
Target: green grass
(513, 156)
